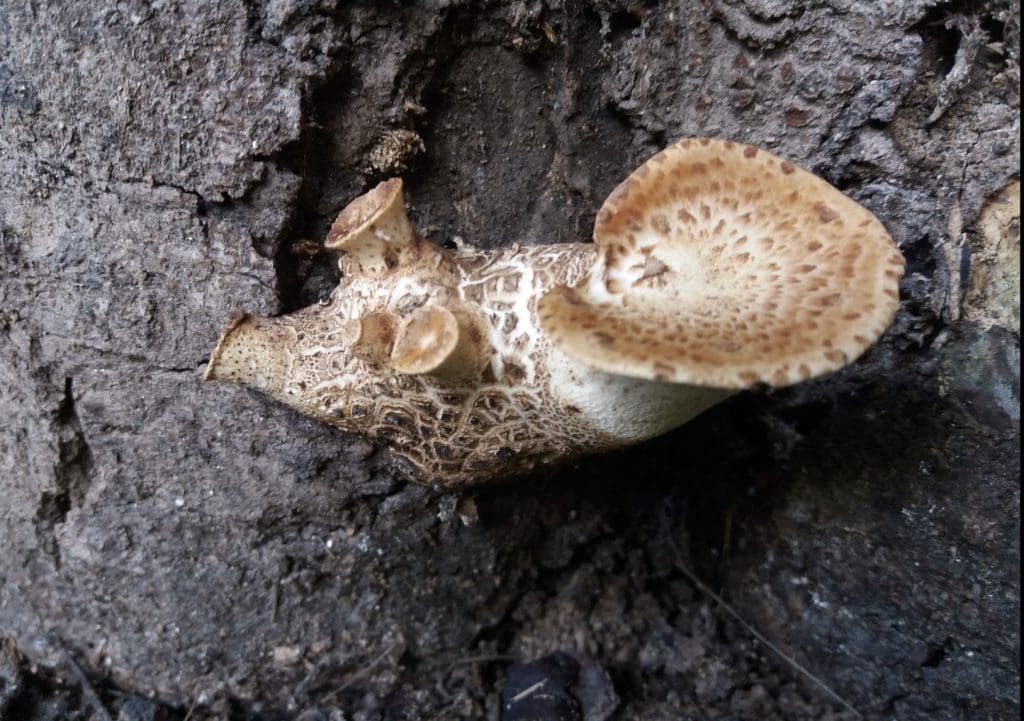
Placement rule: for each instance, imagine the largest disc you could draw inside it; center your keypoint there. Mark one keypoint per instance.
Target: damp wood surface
(199, 551)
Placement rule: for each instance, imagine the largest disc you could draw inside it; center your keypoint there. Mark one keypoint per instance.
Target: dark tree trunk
(207, 548)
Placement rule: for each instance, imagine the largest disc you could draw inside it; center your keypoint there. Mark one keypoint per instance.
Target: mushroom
(725, 266)
(716, 266)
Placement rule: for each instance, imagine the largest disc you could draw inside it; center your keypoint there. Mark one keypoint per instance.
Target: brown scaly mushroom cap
(723, 265)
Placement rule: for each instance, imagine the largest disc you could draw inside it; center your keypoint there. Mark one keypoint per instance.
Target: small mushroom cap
(434, 340)
(425, 340)
(374, 229)
(723, 265)
(252, 351)
(371, 337)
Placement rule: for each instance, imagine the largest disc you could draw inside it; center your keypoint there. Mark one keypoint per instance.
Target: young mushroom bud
(371, 337)
(716, 266)
(252, 351)
(436, 341)
(374, 230)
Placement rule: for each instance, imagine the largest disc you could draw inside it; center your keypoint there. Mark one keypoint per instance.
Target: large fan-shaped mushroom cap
(723, 265)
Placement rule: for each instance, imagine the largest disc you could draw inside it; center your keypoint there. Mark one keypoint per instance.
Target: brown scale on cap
(724, 265)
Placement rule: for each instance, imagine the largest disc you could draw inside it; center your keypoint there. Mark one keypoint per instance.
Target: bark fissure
(72, 476)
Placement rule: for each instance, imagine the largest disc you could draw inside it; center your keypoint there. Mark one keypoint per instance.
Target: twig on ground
(749, 628)
(360, 673)
(481, 659)
(191, 709)
(87, 690)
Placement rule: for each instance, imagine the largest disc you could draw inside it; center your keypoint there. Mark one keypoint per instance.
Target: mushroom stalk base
(529, 406)
(629, 410)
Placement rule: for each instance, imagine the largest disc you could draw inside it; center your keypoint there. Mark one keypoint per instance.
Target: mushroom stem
(628, 410)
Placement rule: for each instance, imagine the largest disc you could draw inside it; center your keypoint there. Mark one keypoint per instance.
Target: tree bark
(164, 164)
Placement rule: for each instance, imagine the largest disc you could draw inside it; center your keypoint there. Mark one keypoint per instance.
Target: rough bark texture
(163, 164)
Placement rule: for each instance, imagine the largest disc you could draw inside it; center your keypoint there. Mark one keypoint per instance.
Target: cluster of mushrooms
(716, 266)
